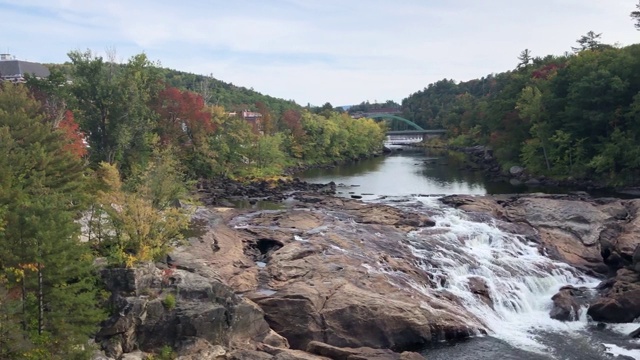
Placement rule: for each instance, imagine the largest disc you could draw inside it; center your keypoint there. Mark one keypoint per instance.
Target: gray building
(15, 70)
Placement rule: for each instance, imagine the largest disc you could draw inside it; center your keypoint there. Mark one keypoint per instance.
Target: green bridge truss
(393, 117)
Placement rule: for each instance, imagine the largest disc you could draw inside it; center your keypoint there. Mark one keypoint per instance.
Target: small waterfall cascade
(518, 280)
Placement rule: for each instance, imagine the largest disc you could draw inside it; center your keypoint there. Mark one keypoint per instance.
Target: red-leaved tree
(76, 144)
(183, 117)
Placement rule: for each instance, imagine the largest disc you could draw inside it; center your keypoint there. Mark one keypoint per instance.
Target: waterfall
(520, 281)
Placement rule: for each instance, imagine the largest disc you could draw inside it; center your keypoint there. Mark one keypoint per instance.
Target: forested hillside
(227, 95)
(213, 91)
(112, 148)
(575, 115)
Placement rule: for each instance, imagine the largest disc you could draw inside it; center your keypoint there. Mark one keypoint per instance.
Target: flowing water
(520, 280)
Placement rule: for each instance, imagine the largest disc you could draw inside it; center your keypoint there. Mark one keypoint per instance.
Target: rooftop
(10, 67)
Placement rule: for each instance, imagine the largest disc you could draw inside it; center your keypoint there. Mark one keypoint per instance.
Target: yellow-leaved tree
(139, 221)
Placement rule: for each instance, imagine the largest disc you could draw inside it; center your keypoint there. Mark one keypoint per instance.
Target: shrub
(169, 302)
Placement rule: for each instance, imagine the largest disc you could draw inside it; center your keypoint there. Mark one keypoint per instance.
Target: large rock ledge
(328, 278)
(332, 278)
(598, 236)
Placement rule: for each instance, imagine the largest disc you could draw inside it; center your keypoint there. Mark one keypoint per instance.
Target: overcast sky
(314, 51)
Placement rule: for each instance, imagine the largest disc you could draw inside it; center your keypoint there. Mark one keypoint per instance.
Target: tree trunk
(40, 301)
(546, 158)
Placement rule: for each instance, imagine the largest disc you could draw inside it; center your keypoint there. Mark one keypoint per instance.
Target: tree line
(576, 115)
(95, 159)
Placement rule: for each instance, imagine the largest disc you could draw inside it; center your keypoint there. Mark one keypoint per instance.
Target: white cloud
(316, 51)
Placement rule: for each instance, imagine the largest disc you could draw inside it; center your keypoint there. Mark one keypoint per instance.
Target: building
(253, 118)
(15, 70)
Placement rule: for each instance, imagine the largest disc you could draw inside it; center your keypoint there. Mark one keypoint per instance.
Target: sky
(315, 51)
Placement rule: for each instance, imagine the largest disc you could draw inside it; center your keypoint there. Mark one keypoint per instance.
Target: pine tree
(635, 15)
(45, 267)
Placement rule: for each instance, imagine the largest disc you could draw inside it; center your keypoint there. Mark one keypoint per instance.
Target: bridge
(417, 129)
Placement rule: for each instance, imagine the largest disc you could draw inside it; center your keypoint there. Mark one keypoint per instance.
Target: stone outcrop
(203, 307)
(336, 278)
(324, 283)
(362, 353)
(266, 284)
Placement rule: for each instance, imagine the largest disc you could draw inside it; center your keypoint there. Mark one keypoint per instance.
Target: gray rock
(205, 308)
(516, 170)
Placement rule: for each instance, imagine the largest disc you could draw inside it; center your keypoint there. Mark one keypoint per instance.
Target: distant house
(253, 118)
(15, 70)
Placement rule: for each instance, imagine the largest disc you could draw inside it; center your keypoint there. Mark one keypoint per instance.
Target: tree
(139, 225)
(114, 106)
(530, 107)
(183, 116)
(268, 126)
(75, 138)
(635, 15)
(50, 273)
(525, 58)
(590, 41)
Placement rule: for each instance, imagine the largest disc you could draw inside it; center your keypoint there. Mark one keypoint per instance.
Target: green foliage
(569, 116)
(45, 270)
(169, 302)
(635, 15)
(227, 95)
(127, 227)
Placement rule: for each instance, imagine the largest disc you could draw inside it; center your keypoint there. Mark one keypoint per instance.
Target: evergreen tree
(590, 41)
(525, 58)
(45, 267)
(635, 15)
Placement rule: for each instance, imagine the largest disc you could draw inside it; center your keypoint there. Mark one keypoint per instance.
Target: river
(519, 325)
(413, 171)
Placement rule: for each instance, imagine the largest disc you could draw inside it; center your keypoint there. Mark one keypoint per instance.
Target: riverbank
(325, 276)
(481, 158)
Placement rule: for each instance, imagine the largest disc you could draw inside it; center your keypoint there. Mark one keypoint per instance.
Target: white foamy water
(519, 279)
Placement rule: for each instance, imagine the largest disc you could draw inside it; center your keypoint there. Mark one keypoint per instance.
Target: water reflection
(412, 171)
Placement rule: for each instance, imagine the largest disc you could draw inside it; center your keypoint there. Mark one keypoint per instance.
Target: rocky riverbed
(333, 278)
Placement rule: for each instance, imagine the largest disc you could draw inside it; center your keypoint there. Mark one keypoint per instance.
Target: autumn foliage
(76, 144)
(183, 116)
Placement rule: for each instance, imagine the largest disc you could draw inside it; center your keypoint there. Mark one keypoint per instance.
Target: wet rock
(479, 287)
(620, 304)
(635, 333)
(480, 204)
(567, 304)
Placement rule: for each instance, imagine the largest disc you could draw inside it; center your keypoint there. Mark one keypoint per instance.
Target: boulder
(516, 170)
(621, 304)
(276, 340)
(567, 304)
(479, 287)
